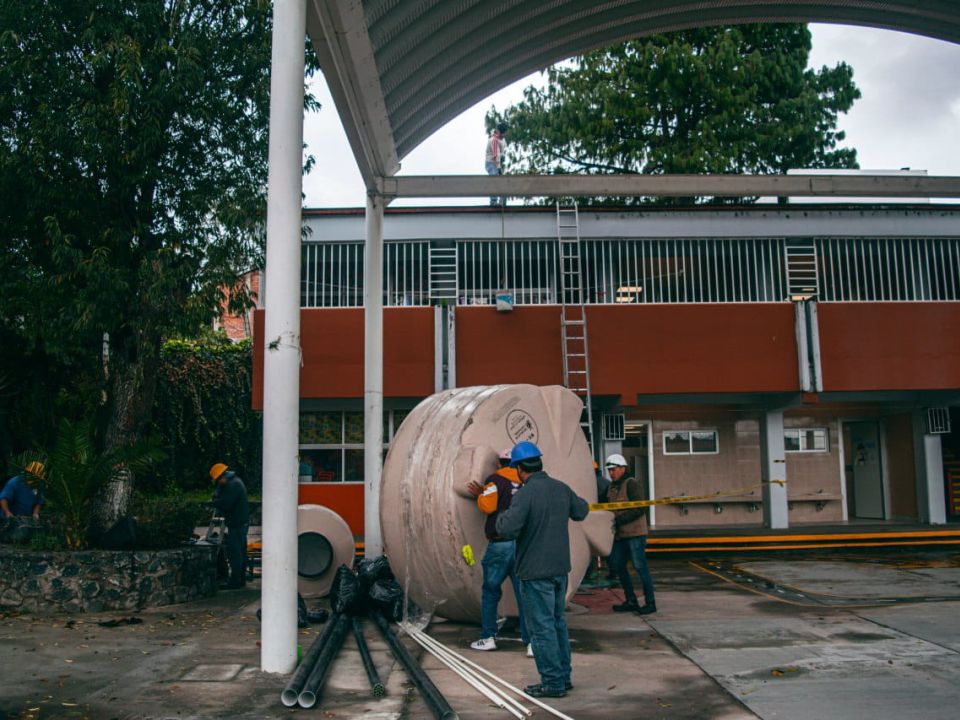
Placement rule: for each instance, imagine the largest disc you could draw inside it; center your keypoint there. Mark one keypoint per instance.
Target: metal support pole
(281, 362)
(373, 376)
(773, 458)
(928, 461)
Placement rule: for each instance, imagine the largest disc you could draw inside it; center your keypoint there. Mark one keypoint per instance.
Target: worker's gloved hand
(475, 488)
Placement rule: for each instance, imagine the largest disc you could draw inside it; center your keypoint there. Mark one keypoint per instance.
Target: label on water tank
(521, 426)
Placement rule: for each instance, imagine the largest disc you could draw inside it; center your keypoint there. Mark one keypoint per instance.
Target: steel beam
(873, 186)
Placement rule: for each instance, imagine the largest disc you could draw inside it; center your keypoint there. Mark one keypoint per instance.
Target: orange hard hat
(217, 470)
(36, 469)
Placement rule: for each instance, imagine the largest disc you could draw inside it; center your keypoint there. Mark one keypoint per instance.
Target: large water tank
(453, 438)
(324, 543)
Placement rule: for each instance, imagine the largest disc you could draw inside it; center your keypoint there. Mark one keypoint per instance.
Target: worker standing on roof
(499, 560)
(230, 500)
(538, 519)
(630, 542)
(496, 147)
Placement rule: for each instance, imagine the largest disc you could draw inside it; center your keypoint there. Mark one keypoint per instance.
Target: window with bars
(331, 274)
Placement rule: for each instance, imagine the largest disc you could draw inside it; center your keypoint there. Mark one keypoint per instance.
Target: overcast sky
(909, 116)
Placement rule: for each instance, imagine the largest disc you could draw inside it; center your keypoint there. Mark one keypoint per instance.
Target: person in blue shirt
(21, 495)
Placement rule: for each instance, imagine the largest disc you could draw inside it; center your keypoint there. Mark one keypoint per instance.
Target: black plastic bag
(345, 595)
(369, 570)
(387, 596)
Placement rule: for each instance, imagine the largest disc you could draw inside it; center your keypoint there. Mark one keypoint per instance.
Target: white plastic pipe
(373, 377)
(482, 686)
(281, 361)
(500, 680)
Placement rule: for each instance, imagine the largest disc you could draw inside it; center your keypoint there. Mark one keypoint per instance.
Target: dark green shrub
(167, 521)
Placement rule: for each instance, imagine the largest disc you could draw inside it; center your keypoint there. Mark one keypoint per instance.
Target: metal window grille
(684, 270)
(525, 268)
(614, 426)
(938, 421)
(889, 269)
(331, 274)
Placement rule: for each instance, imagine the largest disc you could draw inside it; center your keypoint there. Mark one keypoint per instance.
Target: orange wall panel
(889, 346)
(332, 343)
(345, 499)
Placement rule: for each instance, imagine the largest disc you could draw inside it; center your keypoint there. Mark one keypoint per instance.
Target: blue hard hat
(525, 450)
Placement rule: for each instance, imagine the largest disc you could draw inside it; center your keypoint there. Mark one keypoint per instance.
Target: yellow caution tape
(679, 499)
(467, 553)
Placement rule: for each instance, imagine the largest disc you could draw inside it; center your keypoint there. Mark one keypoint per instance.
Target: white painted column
(373, 376)
(928, 463)
(773, 470)
(281, 362)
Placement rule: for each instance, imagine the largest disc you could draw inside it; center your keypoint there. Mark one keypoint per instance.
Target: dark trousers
(543, 603)
(633, 550)
(237, 555)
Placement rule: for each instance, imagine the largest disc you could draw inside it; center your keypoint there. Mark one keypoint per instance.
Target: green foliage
(166, 521)
(75, 472)
(203, 413)
(710, 100)
(133, 169)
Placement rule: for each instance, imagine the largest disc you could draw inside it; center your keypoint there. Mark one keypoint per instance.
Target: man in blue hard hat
(538, 519)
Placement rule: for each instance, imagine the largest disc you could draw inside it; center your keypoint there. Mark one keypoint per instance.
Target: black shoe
(627, 607)
(541, 691)
(648, 609)
(568, 686)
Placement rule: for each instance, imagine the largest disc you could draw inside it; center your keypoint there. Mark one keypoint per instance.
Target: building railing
(648, 271)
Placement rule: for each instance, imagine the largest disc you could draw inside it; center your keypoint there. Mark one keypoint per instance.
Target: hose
(431, 695)
(321, 669)
(292, 691)
(372, 675)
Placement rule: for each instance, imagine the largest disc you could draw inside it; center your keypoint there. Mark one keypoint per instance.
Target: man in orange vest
(499, 560)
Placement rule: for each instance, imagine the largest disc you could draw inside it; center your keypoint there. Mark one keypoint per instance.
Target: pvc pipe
(448, 656)
(500, 680)
(484, 687)
(372, 675)
(321, 669)
(281, 355)
(428, 691)
(373, 376)
(292, 691)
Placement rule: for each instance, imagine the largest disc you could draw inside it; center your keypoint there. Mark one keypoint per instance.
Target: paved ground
(778, 638)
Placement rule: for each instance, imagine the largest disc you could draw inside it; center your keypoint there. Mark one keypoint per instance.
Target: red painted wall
(638, 349)
(889, 346)
(332, 343)
(345, 499)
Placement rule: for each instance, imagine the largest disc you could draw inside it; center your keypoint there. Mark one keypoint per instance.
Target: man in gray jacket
(538, 519)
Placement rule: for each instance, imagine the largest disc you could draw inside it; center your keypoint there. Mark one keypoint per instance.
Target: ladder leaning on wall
(573, 316)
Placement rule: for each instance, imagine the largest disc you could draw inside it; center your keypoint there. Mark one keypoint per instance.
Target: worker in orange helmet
(230, 500)
(499, 559)
(21, 494)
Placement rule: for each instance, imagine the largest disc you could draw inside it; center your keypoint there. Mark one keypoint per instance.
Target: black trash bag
(387, 597)
(369, 570)
(305, 616)
(345, 595)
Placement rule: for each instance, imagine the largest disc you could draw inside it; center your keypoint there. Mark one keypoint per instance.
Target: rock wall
(97, 580)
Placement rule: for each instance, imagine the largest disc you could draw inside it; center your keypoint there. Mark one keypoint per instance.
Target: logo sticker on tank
(521, 426)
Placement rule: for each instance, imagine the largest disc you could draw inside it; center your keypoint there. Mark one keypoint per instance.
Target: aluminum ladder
(573, 316)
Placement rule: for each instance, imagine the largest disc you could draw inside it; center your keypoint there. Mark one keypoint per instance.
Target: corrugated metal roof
(401, 69)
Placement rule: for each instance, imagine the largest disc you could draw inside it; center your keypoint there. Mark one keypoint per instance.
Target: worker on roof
(230, 500)
(499, 559)
(21, 495)
(630, 542)
(538, 518)
(496, 147)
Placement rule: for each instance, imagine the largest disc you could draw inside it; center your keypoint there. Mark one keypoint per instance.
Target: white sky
(909, 116)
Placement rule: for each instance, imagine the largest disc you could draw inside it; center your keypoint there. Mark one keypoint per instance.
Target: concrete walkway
(718, 650)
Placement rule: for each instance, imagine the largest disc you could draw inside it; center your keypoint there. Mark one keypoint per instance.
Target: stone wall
(96, 580)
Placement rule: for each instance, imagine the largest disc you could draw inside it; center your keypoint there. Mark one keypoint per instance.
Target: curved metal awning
(399, 70)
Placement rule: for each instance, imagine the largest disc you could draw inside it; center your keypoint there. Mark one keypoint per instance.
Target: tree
(711, 100)
(133, 141)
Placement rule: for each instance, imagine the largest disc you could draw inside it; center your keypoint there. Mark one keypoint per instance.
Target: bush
(167, 521)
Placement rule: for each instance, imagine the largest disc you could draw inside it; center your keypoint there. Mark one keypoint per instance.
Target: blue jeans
(635, 550)
(499, 563)
(544, 600)
(492, 169)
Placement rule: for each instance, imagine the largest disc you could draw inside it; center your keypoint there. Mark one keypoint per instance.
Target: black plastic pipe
(372, 675)
(431, 695)
(292, 691)
(321, 669)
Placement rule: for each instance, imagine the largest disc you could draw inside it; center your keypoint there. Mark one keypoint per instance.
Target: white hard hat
(616, 460)
(505, 454)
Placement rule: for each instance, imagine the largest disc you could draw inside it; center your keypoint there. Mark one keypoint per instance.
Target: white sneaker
(530, 650)
(484, 644)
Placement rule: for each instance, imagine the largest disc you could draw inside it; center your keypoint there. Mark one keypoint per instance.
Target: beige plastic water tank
(324, 543)
(453, 438)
